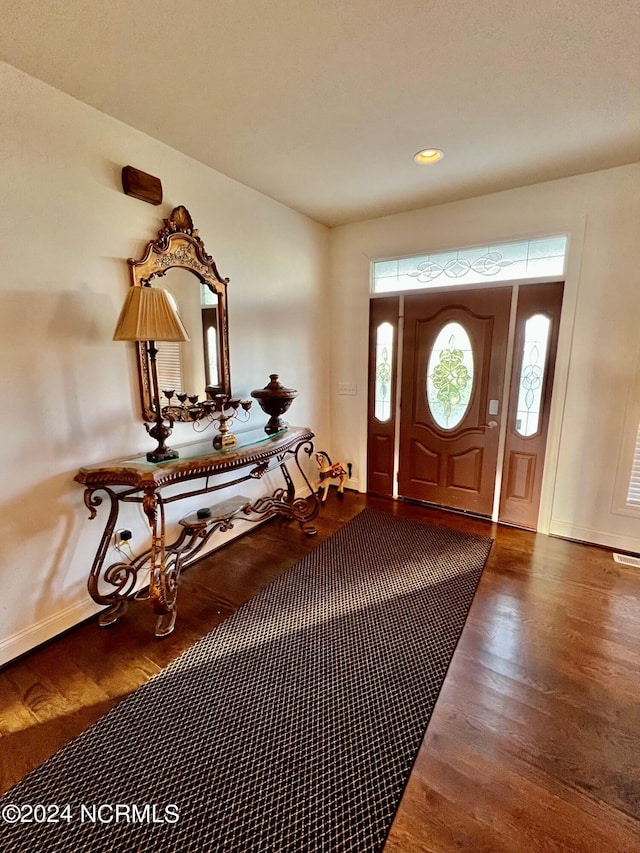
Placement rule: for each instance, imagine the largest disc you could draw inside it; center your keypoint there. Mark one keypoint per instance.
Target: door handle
(491, 425)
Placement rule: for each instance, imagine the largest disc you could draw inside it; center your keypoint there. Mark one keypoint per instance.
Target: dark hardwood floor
(534, 744)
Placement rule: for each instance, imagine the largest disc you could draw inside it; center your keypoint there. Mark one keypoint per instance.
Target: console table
(136, 480)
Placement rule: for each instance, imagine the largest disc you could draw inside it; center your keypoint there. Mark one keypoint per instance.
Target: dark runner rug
(292, 726)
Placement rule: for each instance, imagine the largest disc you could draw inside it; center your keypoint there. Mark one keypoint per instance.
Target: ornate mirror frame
(178, 246)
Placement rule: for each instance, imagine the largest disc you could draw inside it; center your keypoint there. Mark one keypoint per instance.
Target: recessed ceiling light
(428, 155)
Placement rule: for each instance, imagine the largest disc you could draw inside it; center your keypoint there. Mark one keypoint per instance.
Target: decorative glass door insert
(536, 339)
(450, 376)
(383, 372)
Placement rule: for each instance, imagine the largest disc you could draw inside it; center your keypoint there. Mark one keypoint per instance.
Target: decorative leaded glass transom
(450, 376)
(527, 259)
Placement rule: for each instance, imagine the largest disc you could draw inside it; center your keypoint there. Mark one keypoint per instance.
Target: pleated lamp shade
(148, 315)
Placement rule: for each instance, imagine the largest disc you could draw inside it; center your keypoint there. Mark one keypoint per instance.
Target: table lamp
(147, 316)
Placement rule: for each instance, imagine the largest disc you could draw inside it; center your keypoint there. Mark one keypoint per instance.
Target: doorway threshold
(443, 508)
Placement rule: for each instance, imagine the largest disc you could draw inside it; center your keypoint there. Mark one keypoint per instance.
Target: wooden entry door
(453, 372)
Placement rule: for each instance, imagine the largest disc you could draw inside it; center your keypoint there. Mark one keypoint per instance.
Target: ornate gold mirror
(178, 255)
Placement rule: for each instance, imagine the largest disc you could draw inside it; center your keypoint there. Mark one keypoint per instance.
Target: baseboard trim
(596, 537)
(46, 629)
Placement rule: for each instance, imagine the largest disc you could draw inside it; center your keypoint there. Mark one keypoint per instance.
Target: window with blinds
(633, 493)
(169, 364)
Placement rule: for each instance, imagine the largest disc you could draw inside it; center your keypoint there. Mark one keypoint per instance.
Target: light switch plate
(349, 388)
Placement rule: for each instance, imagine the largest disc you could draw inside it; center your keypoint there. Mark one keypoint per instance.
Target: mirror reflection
(178, 262)
(189, 368)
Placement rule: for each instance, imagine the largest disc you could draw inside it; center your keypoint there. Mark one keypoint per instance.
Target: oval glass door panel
(450, 376)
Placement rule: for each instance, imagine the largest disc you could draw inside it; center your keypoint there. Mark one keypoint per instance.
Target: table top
(197, 459)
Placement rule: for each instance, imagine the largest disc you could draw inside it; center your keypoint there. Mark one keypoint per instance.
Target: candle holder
(185, 408)
(221, 410)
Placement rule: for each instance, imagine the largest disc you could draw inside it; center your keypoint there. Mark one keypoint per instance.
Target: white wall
(598, 348)
(69, 393)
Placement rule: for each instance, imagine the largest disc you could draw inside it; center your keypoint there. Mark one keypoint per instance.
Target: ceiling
(321, 104)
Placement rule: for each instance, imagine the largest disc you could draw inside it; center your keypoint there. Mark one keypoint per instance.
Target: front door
(453, 370)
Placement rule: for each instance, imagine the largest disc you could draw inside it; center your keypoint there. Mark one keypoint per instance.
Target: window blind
(633, 495)
(169, 365)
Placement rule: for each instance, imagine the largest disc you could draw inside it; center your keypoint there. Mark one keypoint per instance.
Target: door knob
(491, 424)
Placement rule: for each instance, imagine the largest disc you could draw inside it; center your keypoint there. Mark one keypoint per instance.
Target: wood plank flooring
(534, 744)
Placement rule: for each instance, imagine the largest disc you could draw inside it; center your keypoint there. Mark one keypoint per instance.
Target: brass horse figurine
(327, 471)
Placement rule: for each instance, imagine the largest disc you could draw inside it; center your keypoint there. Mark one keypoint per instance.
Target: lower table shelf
(139, 481)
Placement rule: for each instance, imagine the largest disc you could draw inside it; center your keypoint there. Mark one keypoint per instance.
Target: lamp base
(162, 455)
(160, 432)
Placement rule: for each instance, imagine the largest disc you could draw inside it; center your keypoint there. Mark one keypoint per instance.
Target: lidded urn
(274, 400)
